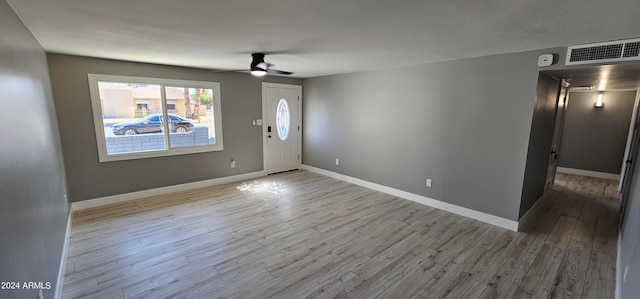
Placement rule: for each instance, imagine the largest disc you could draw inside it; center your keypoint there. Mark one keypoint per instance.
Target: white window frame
(168, 151)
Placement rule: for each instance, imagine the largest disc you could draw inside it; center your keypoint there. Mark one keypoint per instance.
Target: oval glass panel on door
(283, 119)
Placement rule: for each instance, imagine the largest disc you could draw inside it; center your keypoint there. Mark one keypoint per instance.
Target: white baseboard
(528, 217)
(595, 174)
(63, 260)
(484, 217)
(107, 200)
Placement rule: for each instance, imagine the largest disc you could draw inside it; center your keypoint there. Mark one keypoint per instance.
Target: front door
(282, 116)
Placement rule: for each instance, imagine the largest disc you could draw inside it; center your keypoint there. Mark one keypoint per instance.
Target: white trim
(298, 88)
(484, 217)
(107, 200)
(63, 259)
(595, 174)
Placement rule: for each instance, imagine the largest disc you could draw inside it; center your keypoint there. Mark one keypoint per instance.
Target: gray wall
(465, 124)
(33, 210)
(602, 131)
(540, 139)
(241, 102)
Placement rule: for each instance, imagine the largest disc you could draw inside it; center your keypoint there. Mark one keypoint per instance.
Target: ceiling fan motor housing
(258, 62)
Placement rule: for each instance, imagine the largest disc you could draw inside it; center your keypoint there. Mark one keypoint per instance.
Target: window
(130, 113)
(171, 106)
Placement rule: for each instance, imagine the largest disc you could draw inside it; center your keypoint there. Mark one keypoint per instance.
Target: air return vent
(614, 51)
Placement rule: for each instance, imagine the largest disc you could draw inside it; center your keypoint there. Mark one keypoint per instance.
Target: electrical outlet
(337, 161)
(428, 182)
(233, 163)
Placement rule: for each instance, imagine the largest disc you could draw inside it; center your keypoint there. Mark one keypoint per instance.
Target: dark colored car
(152, 123)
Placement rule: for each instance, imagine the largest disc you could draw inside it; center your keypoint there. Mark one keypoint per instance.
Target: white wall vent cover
(614, 51)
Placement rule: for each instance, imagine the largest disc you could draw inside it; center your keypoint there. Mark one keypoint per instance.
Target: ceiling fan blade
(278, 72)
(229, 71)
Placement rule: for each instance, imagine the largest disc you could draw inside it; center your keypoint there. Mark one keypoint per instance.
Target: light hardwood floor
(300, 234)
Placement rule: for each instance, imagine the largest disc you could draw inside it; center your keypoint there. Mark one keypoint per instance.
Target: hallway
(580, 216)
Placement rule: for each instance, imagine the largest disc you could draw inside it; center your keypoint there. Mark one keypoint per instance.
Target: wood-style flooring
(299, 234)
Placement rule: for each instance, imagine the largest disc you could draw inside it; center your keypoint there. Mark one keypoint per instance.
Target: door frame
(630, 155)
(298, 88)
(630, 134)
(563, 97)
(556, 131)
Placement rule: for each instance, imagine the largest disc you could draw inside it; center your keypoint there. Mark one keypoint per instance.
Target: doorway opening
(582, 125)
(597, 121)
(578, 148)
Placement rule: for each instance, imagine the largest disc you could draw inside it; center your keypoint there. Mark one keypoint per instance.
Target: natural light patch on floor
(269, 193)
(255, 187)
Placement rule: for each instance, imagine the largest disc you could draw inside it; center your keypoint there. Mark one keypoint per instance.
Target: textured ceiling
(318, 37)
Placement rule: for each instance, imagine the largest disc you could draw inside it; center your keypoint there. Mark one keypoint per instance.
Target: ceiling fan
(260, 68)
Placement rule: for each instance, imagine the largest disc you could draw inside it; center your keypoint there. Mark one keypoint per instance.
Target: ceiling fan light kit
(258, 72)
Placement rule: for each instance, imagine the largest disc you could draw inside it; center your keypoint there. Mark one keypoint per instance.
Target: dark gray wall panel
(88, 178)
(541, 137)
(595, 139)
(33, 208)
(465, 124)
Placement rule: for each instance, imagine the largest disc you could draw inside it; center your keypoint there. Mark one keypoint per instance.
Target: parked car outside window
(152, 123)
